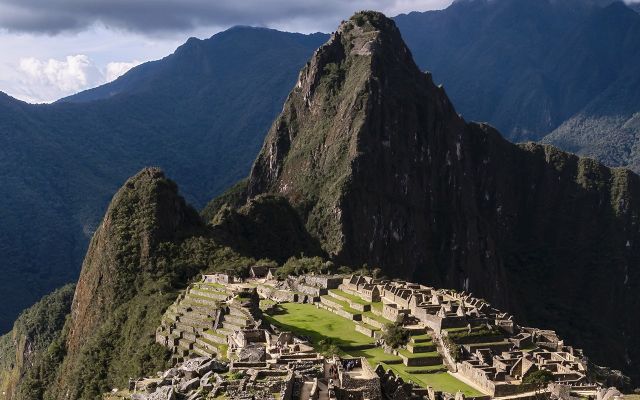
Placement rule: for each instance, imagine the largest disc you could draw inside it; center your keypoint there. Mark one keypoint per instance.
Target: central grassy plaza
(317, 324)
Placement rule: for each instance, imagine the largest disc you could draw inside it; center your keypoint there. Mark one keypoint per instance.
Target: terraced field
(317, 324)
(194, 324)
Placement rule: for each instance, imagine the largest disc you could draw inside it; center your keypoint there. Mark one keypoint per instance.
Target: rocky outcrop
(383, 171)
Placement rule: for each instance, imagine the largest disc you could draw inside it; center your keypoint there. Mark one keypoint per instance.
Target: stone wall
(340, 312)
(368, 388)
(324, 281)
(495, 389)
(372, 322)
(420, 361)
(364, 330)
(477, 376)
(288, 387)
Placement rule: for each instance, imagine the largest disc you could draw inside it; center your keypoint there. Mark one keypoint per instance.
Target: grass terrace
(375, 317)
(409, 354)
(349, 296)
(345, 306)
(424, 338)
(478, 334)
(212, 285)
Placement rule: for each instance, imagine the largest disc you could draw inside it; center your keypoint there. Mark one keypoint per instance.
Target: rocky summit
(384, 171)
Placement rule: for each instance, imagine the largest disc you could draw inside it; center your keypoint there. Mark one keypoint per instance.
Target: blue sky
(53, 48)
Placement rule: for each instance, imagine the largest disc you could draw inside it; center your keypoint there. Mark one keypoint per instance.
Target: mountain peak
(146, 211)
(346, 116)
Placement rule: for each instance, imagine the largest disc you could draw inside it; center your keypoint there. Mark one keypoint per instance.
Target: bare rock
(163, 393)
(190, 385)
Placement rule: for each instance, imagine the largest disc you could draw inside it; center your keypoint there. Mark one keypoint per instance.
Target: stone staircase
(421, 351)
(185, 322)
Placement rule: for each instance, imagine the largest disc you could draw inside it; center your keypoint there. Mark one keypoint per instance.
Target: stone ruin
(219, 319)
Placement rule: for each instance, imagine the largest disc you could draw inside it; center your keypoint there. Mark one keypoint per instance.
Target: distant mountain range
(537, 69)
(200, 113)
(528, 67)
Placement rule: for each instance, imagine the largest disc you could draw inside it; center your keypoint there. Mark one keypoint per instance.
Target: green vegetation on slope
(148, 248)
(30, 353)
(266, 227)
(234, 198)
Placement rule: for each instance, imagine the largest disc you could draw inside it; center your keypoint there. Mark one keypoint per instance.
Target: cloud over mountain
(48, 80)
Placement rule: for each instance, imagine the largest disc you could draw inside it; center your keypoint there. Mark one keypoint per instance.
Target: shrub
(455, 350)
(305, 265)
(540, 378)
(395, 335)
(328, 348)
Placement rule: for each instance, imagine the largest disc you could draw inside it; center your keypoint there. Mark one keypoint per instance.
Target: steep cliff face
(383, 171)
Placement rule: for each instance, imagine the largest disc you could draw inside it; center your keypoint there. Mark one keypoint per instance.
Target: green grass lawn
(444, 382)
(376, 355)
(318, 324)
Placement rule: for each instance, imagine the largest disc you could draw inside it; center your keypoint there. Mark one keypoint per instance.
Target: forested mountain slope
(200, 113)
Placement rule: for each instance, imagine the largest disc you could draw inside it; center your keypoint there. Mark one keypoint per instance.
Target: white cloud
(68, 75)
(114, 70)
(48, 80)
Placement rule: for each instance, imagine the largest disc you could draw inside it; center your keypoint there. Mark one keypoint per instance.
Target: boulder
(195, 396)
(190, 385)
(170, 373)
(163, 393)
(201, 365)
(207, 376)
(253, 354)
